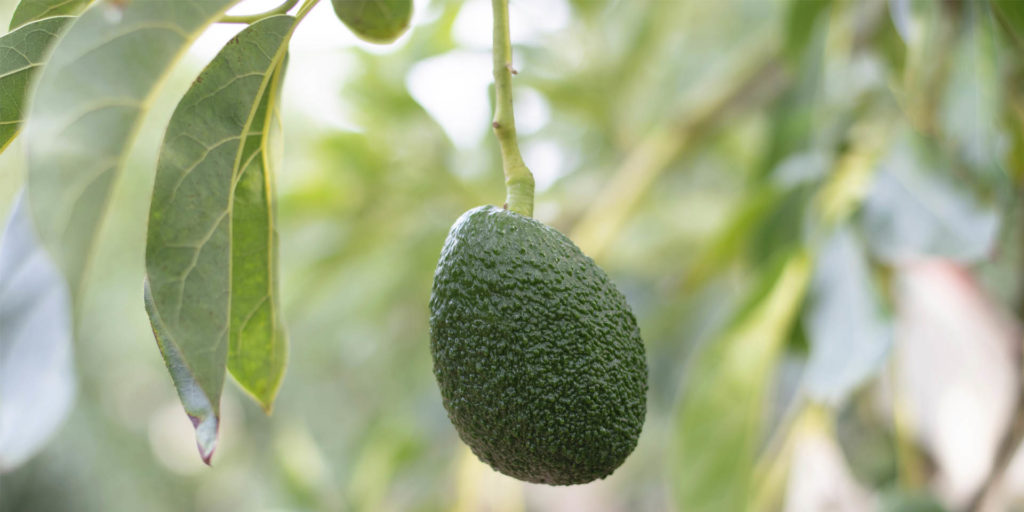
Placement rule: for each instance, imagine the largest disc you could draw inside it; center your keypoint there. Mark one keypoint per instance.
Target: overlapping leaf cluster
(212, 290)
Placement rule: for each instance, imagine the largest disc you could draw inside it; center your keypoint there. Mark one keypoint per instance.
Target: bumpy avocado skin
(537, 354)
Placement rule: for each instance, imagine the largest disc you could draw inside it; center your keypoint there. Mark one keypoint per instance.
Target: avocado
(537, 354)
(376, 21)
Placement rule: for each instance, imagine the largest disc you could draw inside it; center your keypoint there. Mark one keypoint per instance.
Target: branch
(253, 18)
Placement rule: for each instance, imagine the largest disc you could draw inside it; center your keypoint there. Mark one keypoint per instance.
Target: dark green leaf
(87, 107)
(377, 21)
(22, 53)
(37, 385)
(32, 10)
(719, 420)
(214, 142)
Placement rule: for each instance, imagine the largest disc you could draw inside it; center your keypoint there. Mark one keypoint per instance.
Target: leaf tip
(206, 435)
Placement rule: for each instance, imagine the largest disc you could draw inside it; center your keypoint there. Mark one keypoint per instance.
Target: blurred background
(811, 206)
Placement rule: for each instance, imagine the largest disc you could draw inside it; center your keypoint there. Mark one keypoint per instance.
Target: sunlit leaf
(86, 109)
(848, 334)
(377, 21)
(32, 10)
(37, 385)
(211, 145)
(258, 346)
(899, 13)
(22, 53)
(718, 424)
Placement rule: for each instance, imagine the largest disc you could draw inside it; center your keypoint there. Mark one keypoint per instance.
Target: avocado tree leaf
(22, 53)
(86, 109)
(1011, 14)
(801, 17)
(912, 212)
(376, 21)
(37, 385)
(33, 10)
(719, 418)
(849, 335)
(258, 344)
(209, 149)
(901, 16)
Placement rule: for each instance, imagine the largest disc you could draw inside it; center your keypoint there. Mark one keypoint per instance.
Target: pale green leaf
(37, 378)
(87, 107)
(376, 21)
(32, 10)
(719, 420)
(211, 137)
(849, 335)
(258, 345)
(22, 53)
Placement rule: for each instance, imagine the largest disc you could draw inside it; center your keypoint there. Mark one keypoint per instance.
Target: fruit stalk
(518, 178)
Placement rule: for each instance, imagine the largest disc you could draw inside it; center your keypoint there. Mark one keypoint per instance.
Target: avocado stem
(518, 178)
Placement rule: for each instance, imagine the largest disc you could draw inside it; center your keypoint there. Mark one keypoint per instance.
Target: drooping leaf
(376, 21)
(1011, 14)
(801, 18)
(912, 211)
(33, 10)
(22, 53)
(37, 385)
(87, 107)
(848, 333)
(210, 148)
(719, 419)
(902, 21)
(258, 346)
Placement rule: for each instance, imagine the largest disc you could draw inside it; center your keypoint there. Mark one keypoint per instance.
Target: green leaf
(33, 10)
(376, 21)
(258, 345)
(87, 106)
(210, 150)
(849, 335)
(1011, 14)
(22, 53)
(37, 377)
(915, 210)
(801, 18)
(719, 420)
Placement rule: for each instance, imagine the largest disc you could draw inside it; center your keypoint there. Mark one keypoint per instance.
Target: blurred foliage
(755, 175)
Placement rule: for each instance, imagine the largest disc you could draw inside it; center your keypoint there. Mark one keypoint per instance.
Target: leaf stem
(518, 179)
(253, 18)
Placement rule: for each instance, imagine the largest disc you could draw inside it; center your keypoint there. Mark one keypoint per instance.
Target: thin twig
(253, 18)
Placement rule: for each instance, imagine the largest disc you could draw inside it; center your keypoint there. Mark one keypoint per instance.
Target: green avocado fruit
(537, 354)
(376, 21)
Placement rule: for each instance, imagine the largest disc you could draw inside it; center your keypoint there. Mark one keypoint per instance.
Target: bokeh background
(811, 206)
